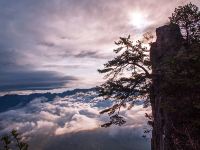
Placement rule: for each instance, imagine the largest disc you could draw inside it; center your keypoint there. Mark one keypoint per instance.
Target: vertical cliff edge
(172, 123)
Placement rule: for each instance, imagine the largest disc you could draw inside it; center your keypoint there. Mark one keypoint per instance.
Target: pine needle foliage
(128, 78)
(188, 19)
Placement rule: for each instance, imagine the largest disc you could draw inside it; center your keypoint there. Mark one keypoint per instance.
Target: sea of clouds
(73, 123)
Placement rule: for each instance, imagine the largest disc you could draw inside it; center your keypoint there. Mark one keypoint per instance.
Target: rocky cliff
(175, 95)
(167, 44)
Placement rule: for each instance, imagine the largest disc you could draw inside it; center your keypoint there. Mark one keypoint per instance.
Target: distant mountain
(12, 101)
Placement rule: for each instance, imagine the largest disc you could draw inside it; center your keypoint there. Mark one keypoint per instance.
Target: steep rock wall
(168, 43)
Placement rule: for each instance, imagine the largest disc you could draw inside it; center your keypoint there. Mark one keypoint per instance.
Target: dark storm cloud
(32, 80)
(63, 66)
(18, 75)
(47, 44)
(92, 54)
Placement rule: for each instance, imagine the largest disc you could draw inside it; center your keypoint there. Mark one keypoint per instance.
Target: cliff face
(168, 43)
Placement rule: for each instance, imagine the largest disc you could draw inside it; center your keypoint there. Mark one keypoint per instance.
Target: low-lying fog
(73, 123)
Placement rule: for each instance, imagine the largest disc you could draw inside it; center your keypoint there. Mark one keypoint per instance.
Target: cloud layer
(65, 33)
(48, 124)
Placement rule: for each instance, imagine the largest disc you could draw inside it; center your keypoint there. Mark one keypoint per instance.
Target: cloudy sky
(50, 44)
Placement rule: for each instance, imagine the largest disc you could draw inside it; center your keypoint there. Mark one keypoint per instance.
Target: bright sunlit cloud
(138, 20)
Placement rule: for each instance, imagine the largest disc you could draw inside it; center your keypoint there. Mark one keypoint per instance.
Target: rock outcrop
(168, 43)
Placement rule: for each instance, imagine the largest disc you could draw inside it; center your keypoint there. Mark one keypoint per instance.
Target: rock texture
(168, 43)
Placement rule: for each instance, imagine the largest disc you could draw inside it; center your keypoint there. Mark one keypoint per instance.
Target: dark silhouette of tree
(188, 19)
(128, 78)
(14, 140)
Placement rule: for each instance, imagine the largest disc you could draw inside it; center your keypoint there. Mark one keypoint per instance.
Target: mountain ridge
(10, 101)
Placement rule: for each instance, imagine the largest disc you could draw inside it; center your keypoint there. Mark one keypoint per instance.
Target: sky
(53, 44)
